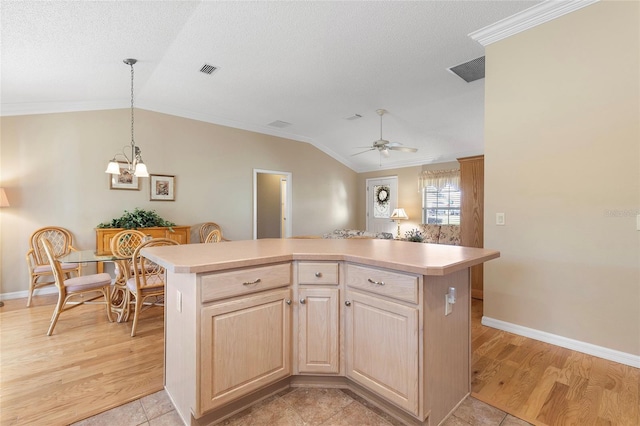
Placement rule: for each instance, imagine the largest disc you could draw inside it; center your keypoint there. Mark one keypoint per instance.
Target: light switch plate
(499, 218)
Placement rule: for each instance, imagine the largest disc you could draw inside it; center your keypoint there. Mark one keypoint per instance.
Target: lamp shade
(113, 168)
(399, 214)
(4, 201)
(141, 170)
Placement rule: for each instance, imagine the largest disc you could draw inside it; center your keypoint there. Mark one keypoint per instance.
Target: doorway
(382, 198)
(271, 204)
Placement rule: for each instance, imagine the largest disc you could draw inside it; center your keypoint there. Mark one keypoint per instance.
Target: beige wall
(52, 167)
(409, 196)
(562, 161)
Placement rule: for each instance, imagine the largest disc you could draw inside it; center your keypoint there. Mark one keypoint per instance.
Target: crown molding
(539, 14)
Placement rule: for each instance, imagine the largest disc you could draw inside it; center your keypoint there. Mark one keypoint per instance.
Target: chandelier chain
(132, 141)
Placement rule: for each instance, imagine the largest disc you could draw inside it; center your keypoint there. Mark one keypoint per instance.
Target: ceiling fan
(383, 145)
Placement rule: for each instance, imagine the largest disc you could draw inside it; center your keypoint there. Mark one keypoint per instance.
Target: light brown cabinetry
(472, 214)
(181, 234)
(245, 333)
(245, 345)
(377, 317)
(317, 318)
(382, 334)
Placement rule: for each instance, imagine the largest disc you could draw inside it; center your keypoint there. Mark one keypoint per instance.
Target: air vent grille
(353, 117)
(208, 69)
(470, 71)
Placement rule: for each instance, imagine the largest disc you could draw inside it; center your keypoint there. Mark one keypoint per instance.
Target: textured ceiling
(308, 63)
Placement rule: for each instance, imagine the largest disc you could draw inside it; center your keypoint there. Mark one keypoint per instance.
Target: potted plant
(414, 235)
(148, 221)
(138, 218)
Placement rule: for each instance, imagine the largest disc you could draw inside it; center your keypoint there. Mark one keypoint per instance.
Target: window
(441, 206)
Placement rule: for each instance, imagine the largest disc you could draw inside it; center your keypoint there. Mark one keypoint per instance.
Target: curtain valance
(440, 179)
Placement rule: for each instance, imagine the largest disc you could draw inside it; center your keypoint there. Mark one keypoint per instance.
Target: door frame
(288, 197)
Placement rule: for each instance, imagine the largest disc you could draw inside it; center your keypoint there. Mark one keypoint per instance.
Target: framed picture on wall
(162, 187)
(125, 180)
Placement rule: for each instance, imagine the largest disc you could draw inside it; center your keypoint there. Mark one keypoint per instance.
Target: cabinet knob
(288, 301)
(318, 274)
(347, 303)
(302, 301)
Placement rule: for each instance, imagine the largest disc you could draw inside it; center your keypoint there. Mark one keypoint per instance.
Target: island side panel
(447, 343)
(181, 322)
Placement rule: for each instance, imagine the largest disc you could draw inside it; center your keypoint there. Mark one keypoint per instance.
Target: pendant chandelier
(135, 165)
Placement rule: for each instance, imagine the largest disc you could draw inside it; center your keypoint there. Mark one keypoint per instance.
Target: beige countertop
(424, 259)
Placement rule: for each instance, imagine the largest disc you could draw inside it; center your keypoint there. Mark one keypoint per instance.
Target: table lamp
(398, 215)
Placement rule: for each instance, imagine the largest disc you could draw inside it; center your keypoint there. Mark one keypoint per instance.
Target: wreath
(382, 195)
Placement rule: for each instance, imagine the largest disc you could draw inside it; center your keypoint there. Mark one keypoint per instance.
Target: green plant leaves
(139, 218)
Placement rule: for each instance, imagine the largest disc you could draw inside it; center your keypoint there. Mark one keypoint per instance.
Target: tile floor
(293, 407)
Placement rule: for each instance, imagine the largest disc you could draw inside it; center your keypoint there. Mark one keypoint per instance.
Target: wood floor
(90, 365)
(549, 385)
(87, 366)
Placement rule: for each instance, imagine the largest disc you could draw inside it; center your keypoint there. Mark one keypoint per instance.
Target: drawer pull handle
(318, 274)
(252, 282)
(375, 282)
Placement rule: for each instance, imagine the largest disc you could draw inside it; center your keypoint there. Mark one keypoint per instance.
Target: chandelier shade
(135, 165)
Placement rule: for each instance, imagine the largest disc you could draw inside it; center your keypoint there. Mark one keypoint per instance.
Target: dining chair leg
(106, 291)
(32, 287)
(56, 315)
(136, 314)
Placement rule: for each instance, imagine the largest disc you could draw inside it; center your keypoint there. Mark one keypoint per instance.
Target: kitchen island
(247, 319)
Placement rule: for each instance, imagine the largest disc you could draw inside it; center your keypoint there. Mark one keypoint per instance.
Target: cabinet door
(180, 234)
(382, 348)
(245, 345)
(318, 331)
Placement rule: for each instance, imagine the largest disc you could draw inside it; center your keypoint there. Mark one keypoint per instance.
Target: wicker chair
(124, 244)
(148, 279)
(67, 288)
(214, 237)
(207, 227)
(40, 272)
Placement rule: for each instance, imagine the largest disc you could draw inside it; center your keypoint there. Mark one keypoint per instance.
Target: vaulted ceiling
(291, 69)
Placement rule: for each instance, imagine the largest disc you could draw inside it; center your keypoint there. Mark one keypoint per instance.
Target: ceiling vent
(470, 71)
(279, 124)
(208, 69)
(353, 117)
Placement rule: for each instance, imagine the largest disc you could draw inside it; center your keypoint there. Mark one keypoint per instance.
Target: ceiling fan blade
(362, 152)
(403, 148)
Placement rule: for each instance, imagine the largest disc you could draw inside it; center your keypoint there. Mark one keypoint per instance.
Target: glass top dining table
(81, 256)
(120, 294)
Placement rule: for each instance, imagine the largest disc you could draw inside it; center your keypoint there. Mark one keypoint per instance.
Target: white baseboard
(564, 342)
(25, 293)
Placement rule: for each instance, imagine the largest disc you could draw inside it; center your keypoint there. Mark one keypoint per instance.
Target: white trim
(52, 289)
(539, 14)
(565, 342)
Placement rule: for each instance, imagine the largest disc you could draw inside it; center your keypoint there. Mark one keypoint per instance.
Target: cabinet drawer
(386, 283)
(318, 273)
(244, 281)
